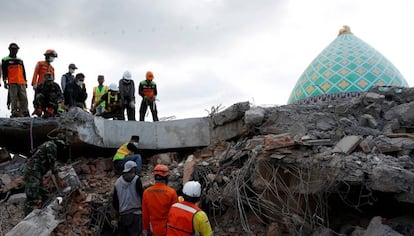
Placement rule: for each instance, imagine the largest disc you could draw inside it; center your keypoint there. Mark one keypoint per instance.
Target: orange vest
(122, 152)
(15, 70)
(148, 92)
(42, 67)
(180, 219)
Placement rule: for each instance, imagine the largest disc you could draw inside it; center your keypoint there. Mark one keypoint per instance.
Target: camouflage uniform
(36, 167)
(48, 95)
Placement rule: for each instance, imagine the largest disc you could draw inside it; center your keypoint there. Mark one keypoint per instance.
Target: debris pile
(334, 168)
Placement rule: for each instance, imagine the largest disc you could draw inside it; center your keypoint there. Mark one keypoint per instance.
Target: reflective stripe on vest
(111, 101)
(122, 152)
(180, 219)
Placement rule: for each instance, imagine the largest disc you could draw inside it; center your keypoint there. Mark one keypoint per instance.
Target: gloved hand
(34, 87)
(60, 109)
(132, 104)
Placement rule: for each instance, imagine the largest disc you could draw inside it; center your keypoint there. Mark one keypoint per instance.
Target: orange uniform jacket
(42, 67)
(156, 203)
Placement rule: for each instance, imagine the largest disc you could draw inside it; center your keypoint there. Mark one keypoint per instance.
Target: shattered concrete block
(347, 144)
(364, 145)
(189, 168)
(272, 141)
(376, 227)
(164, 158)
(17, 198)
(254, 116)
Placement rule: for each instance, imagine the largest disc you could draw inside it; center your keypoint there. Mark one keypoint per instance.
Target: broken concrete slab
(347, 144)
(38, 222)
(376, 227)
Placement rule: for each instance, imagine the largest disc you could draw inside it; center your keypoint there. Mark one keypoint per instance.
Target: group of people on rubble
(52, 99)
(156, 210)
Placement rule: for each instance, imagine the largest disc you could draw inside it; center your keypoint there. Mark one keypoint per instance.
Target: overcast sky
(203, 53)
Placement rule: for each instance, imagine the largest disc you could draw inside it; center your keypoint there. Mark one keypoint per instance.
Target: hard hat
(192, 189)
(127, 75)
(129, 165)
(48, 76)
(162, 170)
(51, 52)
(149, 75)
(113, 87)
(72, 66)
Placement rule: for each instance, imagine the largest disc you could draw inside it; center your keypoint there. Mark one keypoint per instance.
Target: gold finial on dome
(345, 30)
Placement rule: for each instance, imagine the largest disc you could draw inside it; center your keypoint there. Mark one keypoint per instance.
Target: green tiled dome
(347, 65)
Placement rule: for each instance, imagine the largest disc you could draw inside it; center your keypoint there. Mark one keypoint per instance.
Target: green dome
(347, 65)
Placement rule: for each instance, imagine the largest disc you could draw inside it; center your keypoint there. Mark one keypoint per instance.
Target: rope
(31, 133)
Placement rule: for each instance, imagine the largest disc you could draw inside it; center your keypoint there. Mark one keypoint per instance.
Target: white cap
(192, 189)
(129, 165)
(113, 87)
(127, 75)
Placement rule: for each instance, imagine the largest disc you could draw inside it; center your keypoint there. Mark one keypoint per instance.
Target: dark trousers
(130, 111)
(130, 225)
(143, 109)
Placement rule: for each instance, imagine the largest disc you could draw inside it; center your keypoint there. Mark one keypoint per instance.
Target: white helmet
(127, 75)
(192, 189)
(113, 87)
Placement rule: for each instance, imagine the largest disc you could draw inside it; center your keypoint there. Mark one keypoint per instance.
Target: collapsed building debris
(335, 168)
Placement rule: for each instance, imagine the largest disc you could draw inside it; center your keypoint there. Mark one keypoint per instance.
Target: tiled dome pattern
(348, 64)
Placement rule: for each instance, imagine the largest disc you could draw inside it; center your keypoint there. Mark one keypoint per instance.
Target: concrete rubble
(334, 168)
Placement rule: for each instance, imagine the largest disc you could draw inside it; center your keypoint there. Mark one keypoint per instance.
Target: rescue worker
(75, 93)
(127, 94)
(42, 67)
(156, 203)
(113, 108)
(186, 218)
(148, 91)
(127, 201)
(43, 160)
(68, 77)
(48, 99)
(127, 152)
(14, 78)
(98, 91)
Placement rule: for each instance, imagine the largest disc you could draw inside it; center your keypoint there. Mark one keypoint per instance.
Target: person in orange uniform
(43, 67)
(98, 92)
(14, 78)
(148, 91)
(156, 203)
(186, 218)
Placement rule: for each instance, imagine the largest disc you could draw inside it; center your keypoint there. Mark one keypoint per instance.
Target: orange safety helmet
(51, 52)
(162, 170)
(149, 75)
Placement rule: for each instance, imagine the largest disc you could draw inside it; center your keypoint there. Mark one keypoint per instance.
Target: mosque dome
(347, 67)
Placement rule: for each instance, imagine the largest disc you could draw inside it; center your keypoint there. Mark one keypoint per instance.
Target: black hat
(13, 45)
(72, 66)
